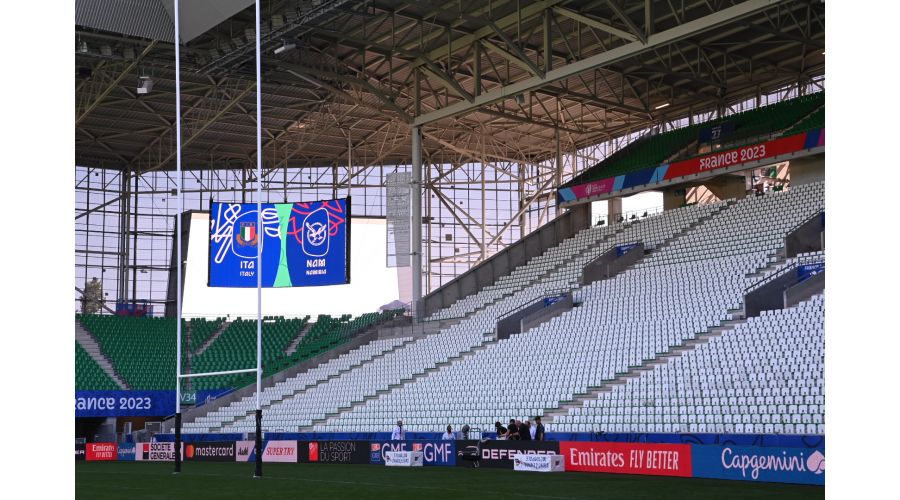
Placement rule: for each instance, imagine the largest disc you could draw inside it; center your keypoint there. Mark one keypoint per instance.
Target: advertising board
(653, 459)
(434, 452)
(211, 451)
(752, 463)
(334, 452)
(101, 451)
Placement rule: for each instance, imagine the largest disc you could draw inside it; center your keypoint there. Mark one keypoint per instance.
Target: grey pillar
(415, 233)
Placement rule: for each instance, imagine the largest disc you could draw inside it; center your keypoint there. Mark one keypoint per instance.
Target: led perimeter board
(303, 244)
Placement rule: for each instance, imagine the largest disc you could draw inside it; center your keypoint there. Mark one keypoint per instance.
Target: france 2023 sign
(303, 244)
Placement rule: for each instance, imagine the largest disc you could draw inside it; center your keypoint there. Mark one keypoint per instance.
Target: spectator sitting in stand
(465, 432)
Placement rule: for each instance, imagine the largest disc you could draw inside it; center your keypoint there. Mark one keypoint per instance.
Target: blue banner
(303, 244)
(807, 271)
(623, 249)
(126, 451)
(124, 403)
(751, 463)
(434, 452)
(139, 308)
(549, 301)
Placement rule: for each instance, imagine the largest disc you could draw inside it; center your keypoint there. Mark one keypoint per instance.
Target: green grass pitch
(138, 481)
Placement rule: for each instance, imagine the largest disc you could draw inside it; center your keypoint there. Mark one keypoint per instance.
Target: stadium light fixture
(285, 46)
(663, 105)
(83, 47)
(145, 85)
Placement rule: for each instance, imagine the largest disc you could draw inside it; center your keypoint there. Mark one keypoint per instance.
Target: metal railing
(791, 265)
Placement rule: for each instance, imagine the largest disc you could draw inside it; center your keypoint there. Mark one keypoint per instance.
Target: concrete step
(307, 387)
(403, 382)
(637, 371)
(90, 344)
(292, 347)
(212, 338)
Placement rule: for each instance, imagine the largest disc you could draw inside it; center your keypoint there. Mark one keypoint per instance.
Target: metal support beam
(611, 56)
(593, 23)
(203, 128)
(115, 82)
(627, 20)
(415, 233)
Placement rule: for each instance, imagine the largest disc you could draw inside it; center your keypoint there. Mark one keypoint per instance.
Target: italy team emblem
(248, 235)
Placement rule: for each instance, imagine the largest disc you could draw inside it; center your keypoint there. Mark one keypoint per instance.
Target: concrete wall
(769, 296)
(531, 316)
(727, 186)
(610, 264)
(807, 237)
(513, 256)
(546, 314)
(675, 196)
(804, 290)
(807, 170)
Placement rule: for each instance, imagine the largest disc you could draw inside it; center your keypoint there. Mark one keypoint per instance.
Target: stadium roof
(497, 80)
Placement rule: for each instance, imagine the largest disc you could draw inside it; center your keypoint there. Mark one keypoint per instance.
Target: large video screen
(303, 244)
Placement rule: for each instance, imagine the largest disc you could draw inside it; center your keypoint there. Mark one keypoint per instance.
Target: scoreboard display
(302, 244)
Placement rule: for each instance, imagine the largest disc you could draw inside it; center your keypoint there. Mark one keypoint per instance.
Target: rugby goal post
(258, 370)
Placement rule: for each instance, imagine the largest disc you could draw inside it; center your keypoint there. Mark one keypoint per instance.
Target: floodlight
(145, 85)
(83, 48)
(663, 105)
(286, 46)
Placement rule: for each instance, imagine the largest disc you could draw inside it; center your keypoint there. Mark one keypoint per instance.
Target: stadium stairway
(292, 347)
(490, 339)
(403, 327)
(636, 371)
(89, 343)
(728, 382)
(212, 338)
(293, 392)
(248, 393)
(715, 254)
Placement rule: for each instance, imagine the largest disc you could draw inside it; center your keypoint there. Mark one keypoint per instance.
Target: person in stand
(525, 431)
(399, 434)
(513, 429)
(502, 432)
(465, 432)
(448, 436)
(538, 429)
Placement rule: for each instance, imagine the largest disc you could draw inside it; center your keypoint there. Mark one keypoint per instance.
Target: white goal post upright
(178, 264)
(260, 236)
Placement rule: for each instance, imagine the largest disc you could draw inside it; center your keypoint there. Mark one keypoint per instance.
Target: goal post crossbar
(213, 374)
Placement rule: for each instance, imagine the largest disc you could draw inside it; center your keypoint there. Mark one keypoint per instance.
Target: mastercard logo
(189, 451)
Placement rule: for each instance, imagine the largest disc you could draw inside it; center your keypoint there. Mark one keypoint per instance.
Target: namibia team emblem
(248, 235)
(316, 229)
